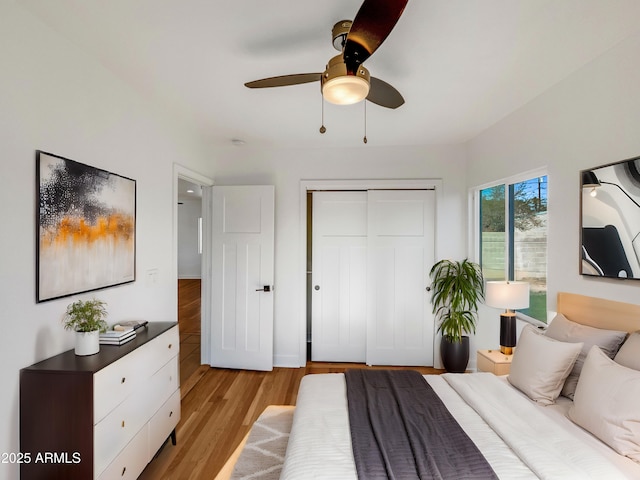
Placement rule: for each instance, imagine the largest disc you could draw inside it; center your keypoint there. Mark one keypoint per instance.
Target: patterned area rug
(263, 454)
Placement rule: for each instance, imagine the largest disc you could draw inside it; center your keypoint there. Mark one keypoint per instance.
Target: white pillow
(606, 403)
(564, 330)
(540, 365)
(629, 353)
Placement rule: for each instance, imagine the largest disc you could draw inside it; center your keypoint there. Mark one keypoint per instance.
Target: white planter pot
(87, 343)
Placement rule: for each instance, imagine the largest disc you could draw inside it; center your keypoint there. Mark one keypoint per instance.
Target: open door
(242, 258)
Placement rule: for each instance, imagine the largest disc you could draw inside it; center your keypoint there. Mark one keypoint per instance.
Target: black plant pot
(455, 355)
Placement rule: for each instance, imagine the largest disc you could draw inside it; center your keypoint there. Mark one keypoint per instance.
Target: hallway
(189, 324)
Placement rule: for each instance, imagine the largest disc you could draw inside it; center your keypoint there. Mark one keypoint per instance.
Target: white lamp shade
(507, 295)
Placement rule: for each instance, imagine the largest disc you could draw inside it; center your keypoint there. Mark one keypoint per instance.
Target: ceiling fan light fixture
(345, 90)
(341, 88)
(345, 80)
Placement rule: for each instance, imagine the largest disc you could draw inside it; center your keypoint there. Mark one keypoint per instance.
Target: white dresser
(103, 416)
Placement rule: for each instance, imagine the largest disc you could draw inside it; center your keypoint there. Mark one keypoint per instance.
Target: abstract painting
(86, 226)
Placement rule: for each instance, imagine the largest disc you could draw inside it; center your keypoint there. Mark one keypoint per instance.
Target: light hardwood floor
(220, 405)
(189, 321)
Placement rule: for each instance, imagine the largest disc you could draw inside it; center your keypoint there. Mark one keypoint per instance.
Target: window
(513, 236)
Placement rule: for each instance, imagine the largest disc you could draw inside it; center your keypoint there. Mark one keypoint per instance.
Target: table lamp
(510, 296)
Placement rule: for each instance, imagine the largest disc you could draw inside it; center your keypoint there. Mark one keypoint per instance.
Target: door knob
(266, 288)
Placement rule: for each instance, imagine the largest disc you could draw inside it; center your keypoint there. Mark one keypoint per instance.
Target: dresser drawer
(163, 423)
(165, 347)
(116, 382)
(131, 461)
(117, 429)
(162, 385)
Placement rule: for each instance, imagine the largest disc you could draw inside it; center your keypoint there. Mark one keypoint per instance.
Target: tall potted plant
(458, 288)
(87, 319)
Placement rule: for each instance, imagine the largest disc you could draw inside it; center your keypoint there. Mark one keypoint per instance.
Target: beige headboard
(598, 312)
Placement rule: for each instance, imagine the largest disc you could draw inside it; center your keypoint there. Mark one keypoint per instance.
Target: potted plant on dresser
(458, 288)
(87, 319)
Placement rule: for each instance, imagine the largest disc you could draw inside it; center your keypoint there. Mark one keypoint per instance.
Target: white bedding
(550, 445)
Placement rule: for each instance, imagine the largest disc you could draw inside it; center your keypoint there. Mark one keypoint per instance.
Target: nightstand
(493, 361)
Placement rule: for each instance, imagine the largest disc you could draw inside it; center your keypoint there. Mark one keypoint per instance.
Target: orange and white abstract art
(86, 228)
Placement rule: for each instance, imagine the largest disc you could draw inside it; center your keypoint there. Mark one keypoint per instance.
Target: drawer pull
(170, 345)
(171, 413)
(123, 380)
(124, 469)
(122, 423)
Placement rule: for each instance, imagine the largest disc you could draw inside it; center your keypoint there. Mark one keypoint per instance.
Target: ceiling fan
(345, 80)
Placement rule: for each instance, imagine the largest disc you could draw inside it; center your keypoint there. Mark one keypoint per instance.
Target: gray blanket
(400, 429)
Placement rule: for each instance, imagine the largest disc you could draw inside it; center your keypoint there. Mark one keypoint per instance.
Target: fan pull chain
(322, 129)
(365, 122)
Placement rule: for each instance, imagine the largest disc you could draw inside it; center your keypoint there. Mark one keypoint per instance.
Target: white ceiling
(461, 65)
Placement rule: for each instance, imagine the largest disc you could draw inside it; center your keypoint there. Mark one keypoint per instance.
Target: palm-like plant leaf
(458, 287)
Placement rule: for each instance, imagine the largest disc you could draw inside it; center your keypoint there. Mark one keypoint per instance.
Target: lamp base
(507, 332)
(506, 350)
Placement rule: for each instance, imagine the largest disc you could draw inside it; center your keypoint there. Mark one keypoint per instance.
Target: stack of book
(117, 337)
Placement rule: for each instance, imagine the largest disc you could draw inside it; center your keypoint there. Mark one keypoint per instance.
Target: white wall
(589, 119)
(285, 168)
(54, 98)
(189, 260)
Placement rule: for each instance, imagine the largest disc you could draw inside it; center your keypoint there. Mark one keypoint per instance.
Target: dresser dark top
(71, 363)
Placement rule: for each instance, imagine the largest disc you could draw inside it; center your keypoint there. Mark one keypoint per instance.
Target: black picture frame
(85, 228)
(610, 220)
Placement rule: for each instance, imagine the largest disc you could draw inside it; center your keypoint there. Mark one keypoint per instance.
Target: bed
(547, 419)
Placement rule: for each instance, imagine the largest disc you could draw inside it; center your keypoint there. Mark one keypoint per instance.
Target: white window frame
(474, 216)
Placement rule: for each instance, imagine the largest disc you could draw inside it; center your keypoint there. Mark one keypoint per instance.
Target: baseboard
(189, 277)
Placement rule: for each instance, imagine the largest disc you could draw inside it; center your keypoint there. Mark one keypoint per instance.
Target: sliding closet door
(339, 281)
(400, 325)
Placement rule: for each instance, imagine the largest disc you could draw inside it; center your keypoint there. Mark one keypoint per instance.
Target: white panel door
(242, 277)
(339, 244)
(400, 325)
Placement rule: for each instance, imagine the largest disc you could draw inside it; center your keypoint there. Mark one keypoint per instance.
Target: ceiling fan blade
(285, 80)
(383, 94)
(371, 26)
